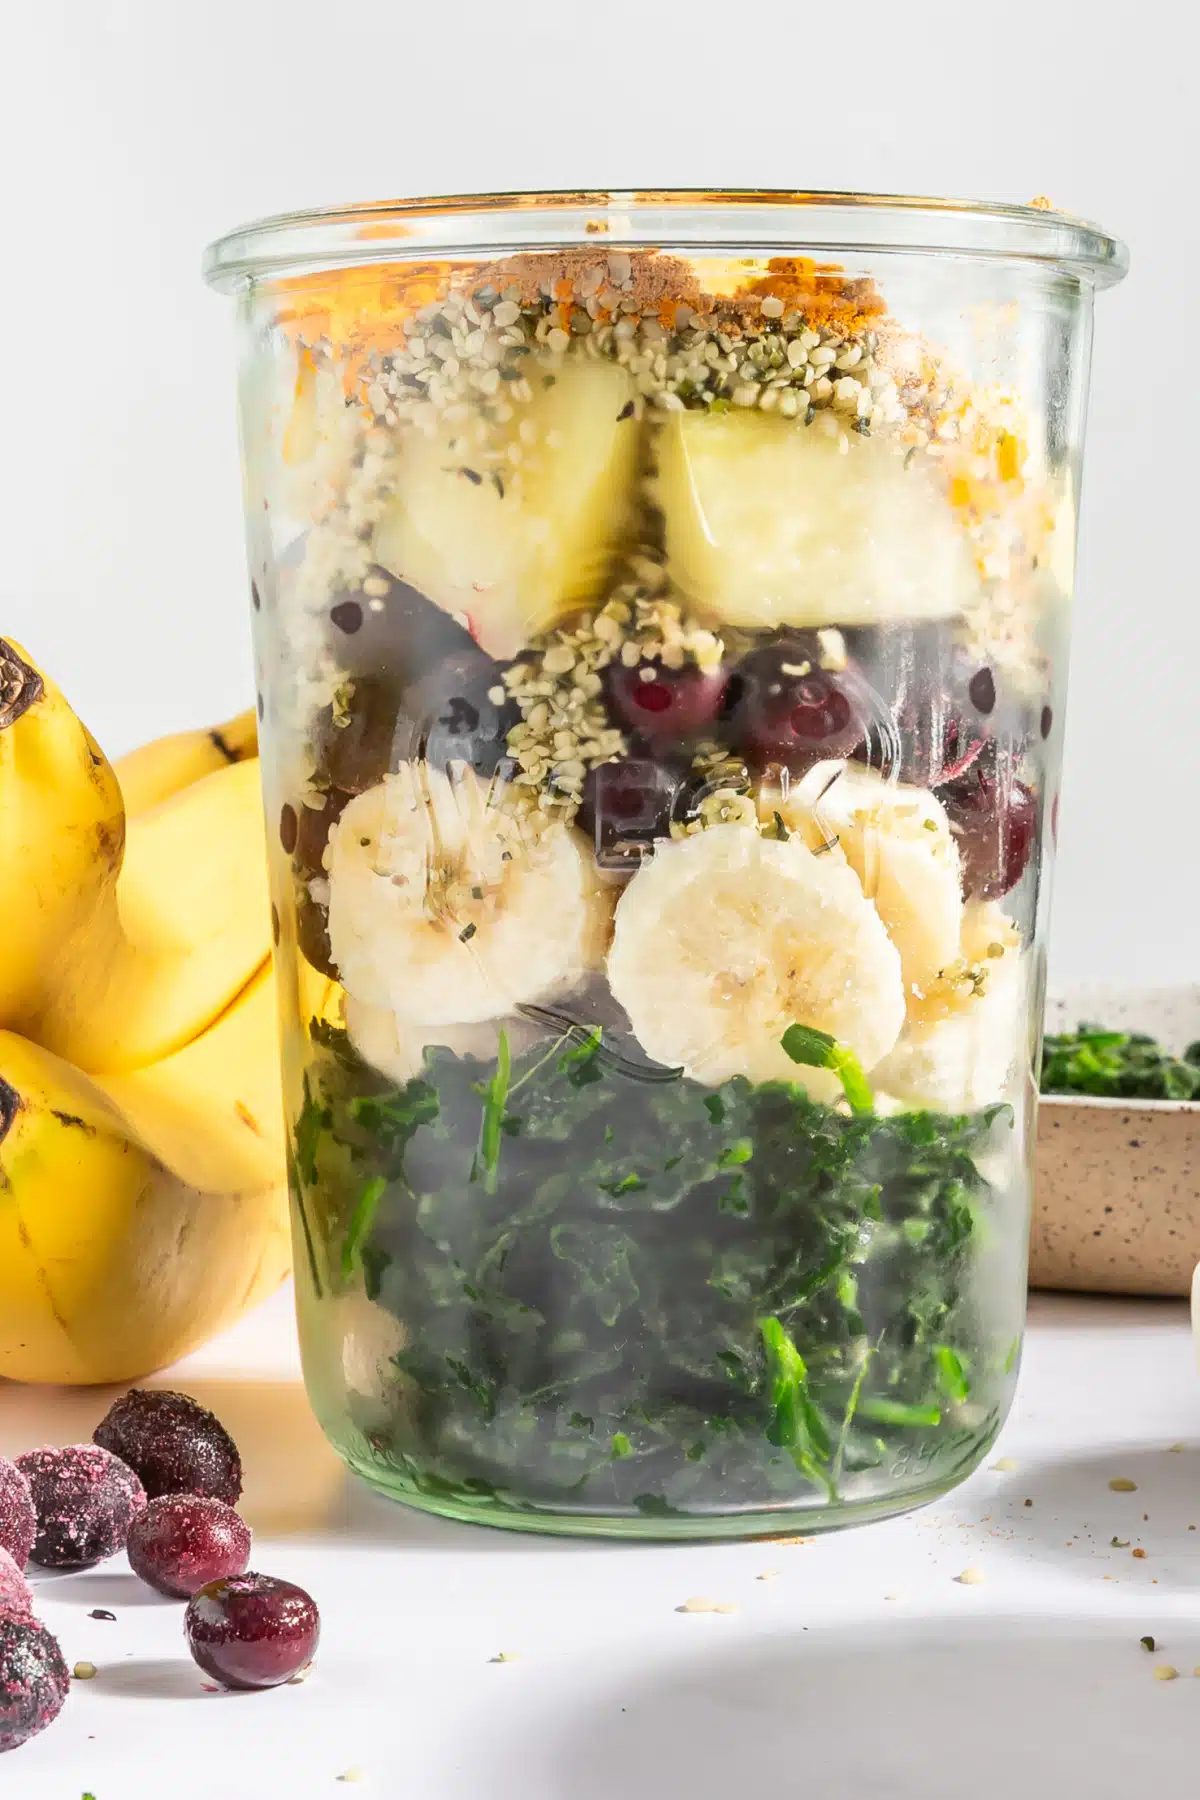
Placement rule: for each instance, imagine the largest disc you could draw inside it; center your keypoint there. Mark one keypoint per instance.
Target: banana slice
(898, 841)
(397, 1049)
(522, 529)
(724, 939)
(968, 1039)
(770, 523)
(447, 908)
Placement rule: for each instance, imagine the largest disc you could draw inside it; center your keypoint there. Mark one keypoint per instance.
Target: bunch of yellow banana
(142, 1168)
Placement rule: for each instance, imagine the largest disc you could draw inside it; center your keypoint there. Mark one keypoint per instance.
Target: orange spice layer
(363, 308)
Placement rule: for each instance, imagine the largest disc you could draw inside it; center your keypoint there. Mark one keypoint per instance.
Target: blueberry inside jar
(660, 725)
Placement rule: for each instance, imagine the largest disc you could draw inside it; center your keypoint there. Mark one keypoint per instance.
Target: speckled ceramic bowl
(1116, 1205)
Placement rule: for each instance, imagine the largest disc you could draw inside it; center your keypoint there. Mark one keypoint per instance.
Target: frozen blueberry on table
(181, 1542)
(18, 1521)
(252, 1631)
(176, 1445)
(33, 1678)
(85, 1499)
(15, 1591)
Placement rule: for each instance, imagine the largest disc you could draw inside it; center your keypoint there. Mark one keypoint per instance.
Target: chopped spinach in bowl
(624, 1293)
(1118, 1065)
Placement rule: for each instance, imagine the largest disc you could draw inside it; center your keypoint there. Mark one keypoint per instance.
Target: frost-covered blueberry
(18, 1521)
(175, 1445)
(15, 1591)
(84, 1498)
(33, 1678)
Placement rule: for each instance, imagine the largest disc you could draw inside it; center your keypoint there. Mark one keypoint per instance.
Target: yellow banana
(111, 1263)
(61, 829)
(155, 771)
(168, 947)
(212, 1112)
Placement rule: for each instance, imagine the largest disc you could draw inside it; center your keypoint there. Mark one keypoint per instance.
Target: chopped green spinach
(1118, 1065)
(624, 1293)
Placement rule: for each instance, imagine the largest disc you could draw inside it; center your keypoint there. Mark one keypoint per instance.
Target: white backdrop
(132, 131)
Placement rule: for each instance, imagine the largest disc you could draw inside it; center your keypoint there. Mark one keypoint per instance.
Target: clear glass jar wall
(661, 656)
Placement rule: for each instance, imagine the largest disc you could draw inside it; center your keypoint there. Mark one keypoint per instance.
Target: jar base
(761, 1525)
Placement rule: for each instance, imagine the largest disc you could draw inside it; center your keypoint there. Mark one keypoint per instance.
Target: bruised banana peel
(126, 1240)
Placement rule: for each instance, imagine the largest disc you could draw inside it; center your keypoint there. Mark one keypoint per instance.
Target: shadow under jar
(660, 621)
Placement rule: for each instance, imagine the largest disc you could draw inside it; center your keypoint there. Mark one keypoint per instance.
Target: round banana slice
(513, 532)
(968, 1039)
(898, 841)
(770, 523)
(724, 939)
(397, 1049)
(446, 907)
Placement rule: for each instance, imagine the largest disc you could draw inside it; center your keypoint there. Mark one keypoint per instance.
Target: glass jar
(660, 610)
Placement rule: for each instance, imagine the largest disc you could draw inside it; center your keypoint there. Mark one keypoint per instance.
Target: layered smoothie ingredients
(662, 663)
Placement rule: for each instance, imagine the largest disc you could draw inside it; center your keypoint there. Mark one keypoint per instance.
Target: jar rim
(717, 222)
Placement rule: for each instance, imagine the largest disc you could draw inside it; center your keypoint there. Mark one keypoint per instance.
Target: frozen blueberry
(664, 704)
(934, 706)
(626, 806)
(252, 1631)
(181, 1542)
(33, 1678)
(18, 1521)
(784, 706)
(312, 832)
(457, 712)
(398, 633)
(994, 818)
(355, 743)
(175, 1445)
(15, 1591)
(84, 1498)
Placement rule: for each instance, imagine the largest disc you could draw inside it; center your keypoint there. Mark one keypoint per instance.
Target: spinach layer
(1118, 1065)
(622, 1291)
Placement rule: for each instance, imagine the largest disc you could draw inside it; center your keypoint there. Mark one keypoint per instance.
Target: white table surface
(862, 1670)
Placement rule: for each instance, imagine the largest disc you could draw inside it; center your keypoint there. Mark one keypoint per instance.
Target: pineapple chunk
(772, 523)
(520, 532)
